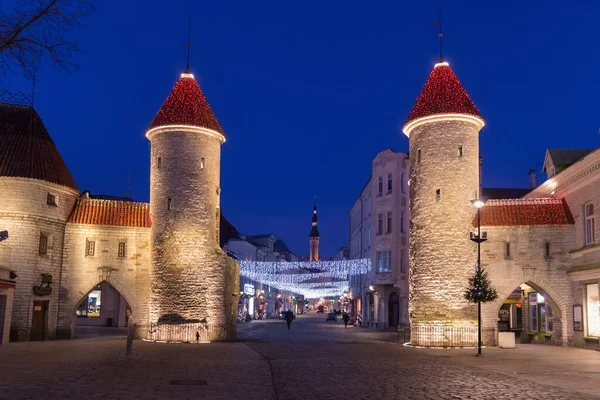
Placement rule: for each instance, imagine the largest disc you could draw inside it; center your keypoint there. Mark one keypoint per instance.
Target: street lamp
(478, 238)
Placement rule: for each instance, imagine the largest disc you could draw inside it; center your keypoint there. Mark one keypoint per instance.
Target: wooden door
(38, 320)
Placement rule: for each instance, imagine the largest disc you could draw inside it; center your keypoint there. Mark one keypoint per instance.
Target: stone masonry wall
(528, 264)
(190, 275)
(441, 256)
(130, 274)
(25, 214)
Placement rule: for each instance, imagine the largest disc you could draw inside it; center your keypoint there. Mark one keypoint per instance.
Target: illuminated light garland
(442, 94)
(519, 212)
(186, 105)
(312, 279)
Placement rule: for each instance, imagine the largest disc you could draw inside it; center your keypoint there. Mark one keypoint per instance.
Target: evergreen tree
(480, 289)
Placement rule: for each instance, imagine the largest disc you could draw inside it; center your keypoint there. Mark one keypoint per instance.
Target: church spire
(314, 236)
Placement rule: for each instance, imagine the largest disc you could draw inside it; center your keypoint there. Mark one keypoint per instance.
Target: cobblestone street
(314, 360)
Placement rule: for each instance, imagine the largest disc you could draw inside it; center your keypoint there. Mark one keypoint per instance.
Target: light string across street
(313, 279)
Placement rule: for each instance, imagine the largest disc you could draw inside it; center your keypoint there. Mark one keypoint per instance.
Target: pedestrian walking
(289, 317)
(346, 319)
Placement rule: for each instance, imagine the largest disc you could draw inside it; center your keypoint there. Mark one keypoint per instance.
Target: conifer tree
(480, 289)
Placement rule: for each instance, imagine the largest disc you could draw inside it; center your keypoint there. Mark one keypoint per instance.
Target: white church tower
(194, 284)
(443, 130)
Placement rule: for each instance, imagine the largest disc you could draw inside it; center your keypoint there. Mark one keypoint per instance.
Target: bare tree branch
(38, 28)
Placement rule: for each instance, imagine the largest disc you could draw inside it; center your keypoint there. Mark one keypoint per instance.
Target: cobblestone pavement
(314, 360)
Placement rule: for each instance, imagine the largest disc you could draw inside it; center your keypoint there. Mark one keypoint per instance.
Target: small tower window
(122, 249)
(438, 194)
(460, 150)
(43, 244)
(158, 162)
(51, 199)
(90, 248)
(202, 163)
(419, 155)
(169, 204)
(547, 250)
(507, 250)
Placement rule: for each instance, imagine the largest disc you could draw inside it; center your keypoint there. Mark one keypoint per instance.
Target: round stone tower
(443, 130)
(193, 281)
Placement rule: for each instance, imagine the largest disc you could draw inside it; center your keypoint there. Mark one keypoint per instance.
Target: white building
(359, 246)
(388, 299)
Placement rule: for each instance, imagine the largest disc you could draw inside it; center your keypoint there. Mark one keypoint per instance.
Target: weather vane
(441, 34)
(189, 45)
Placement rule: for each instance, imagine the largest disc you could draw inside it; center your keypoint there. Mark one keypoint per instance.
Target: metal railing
(187, 332)
(439, 336)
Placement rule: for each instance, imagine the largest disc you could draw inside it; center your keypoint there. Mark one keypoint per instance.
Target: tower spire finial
(189, 45)
(440, 34)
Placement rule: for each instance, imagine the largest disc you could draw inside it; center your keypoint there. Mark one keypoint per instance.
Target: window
(90, 306)
(169, 204)
(379, 186)
(589, 225)
(122, 249)
(389, 222)
(402, 223)
(547, 250)
(90, 248)
(438, 194)
(507, 250)
(201, 162)
(460, 151)
(43, 244)
(379, 224)
(51, 200)
(158, 162)
(593, 310)
(402, 182)
(533, 312)
(384, 261)
(389, 189)
(419, 155)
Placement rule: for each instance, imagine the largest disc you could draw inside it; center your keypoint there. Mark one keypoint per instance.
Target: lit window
(593, 310)
(43, 244)
(589, 224)
(90, 248)
(460, 150)
(379, 186)
(51, 200)
(507, 250)
(201, 162)
(158, 162)
(389, 222)
(384, 261)
(419, 155)
(389, 188)
(379, 224)
(122, 249)
(169, 204)
(438, 194)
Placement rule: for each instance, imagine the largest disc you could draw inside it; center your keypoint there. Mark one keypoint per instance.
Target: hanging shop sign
(249, 289)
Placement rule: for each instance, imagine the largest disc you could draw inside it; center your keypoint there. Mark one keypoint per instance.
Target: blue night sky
(309, 93)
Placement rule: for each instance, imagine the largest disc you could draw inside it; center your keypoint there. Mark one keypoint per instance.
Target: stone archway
(492, 321)
(102, 307)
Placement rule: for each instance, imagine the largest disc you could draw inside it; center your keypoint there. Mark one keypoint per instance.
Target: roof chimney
(532, 179)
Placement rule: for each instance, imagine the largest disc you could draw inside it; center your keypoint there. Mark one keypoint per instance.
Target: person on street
(289, 317)
(346, 319)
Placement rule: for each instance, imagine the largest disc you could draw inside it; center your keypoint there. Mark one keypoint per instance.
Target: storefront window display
(593, 310)
(90, 306)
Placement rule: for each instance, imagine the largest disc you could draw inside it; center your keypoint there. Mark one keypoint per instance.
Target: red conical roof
(443, 94)
(186, 105)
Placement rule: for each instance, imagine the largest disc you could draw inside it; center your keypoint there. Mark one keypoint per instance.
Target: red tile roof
(186, 105)
(442, 94)
(111, 212)
(515, 212)
(26, 149)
